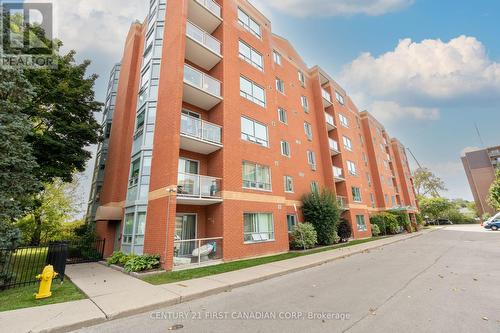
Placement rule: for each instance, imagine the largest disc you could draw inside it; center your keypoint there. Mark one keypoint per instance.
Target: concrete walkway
(113, 294)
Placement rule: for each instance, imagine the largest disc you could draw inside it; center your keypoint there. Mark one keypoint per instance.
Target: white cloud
(308, 8)
(432, 69)
(388, 111)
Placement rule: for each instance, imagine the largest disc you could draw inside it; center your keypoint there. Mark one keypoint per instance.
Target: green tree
(427, 183)
(322, 211)
(435, 208)
(494, 195)
(55, 208)
(17, 164)
(303, 236)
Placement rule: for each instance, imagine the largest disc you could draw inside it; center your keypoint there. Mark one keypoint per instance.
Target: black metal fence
(19, 267)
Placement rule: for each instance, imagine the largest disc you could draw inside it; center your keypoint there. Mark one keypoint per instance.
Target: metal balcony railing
(200, 129)
(203, 38)
(338, 173)
(212, 6)
(198, 186)
(326, 95)
(202, 81)
(334, 145)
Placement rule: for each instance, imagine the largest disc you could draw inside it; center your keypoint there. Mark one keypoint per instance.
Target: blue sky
(428, 69)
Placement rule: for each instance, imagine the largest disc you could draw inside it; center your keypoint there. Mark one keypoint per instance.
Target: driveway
(443, 281)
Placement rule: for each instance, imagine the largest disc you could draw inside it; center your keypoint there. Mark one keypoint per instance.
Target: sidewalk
(113, 294)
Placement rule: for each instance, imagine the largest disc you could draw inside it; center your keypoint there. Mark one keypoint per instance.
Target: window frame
(289, 181)
(360, 218)
(247, 25)
(250, 60)
(282, 111)
(277, 58)
(268, 187)
(251, 96)
(347, 143)
(293, 224)
(256, 139)
(285, 145)
(356, 194)
(352, 171)
(343, 117)
(257, 231)
(280, 86)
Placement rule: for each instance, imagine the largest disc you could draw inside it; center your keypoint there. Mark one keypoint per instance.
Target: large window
(252, 91)
(356, 194)
(285, 148)
(304, 103)
(347, 143)
(343, 120)
(257, 177)
(351, 166)
(302, 78)
(280, 85)
(134, 172)
(291, 221)
(311, 159)
(254, 132)
(258, 227)
(249, 23)
(251, 56)
(282, 116)
(340, 98)
(288, 184)
(360, 221)
(277, 57)
(308, 131)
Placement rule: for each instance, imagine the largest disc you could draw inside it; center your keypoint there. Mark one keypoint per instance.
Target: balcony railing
(198, 186)
(212, 6)
(203, 38)
(202, 81)
(342, 202)
(200, 129)
(329, 120)
(196, 252)
(326, 95)
(338, 173)
(334, 146)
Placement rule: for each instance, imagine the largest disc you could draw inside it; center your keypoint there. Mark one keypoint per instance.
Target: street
(444, 281)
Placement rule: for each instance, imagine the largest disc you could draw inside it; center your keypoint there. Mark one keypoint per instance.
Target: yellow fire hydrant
(45, 282)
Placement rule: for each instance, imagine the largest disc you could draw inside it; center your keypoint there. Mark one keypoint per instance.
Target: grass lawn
(23, 297)
(169, 277)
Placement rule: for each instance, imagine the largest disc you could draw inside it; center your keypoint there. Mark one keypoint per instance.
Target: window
(356, 194)
(302, 78)
(393, 201)
(351, 166)
(386, 199)
(372, 200)
(369, 179)
(347, 143)
(134, 172)
(251, 56)
(280, 85)
(362, 140)
(285, 149)
(314, 187)
(258, 227)
(288, 184)
(140, 122)
(277, 57)
(308, 130)
(254, 132)
(360, 221)
(256, 176)
(311, 159)
(340, 98)
(386, 164)
(282, 116)
(291, 221)
(382, 147)
(249, 23)
(252, 92)
(343, 120)
(304, 103)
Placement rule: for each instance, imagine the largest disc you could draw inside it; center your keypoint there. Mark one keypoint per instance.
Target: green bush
(344, 230)
(321, 209)
(403, 219)
(118, 258)
(386, 222)
(142, 263)
(420, 219)
(303, 236)
(375, 230)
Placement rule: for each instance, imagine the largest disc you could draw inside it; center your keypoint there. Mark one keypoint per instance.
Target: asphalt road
(444, 281)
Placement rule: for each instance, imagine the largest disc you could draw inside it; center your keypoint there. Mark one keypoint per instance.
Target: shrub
(420, 219)
(375, 230)
(344, 230)
(118, 258)
(321, 209)
(304, 236)
(142, 263)
(386, 222)
(9, 240)
(403, 220)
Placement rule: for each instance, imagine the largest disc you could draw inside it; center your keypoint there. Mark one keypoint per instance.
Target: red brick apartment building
(215, 128)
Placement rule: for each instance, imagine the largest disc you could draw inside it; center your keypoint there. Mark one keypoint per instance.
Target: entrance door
(185, 229)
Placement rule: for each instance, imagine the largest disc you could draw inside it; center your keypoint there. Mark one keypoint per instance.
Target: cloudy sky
(428, 69)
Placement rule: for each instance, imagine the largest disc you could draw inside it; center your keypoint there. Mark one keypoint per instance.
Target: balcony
(201, 89)
(327, 98)
(342, 202)
(198, 190)
(334, 147)
(330, 123)
(192, 253)
(201, 48)
(338, 175)
(205, 14)
(200, 136)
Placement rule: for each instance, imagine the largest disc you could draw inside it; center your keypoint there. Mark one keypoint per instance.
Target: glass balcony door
(185, 229)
